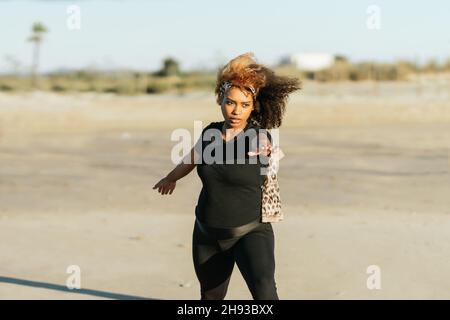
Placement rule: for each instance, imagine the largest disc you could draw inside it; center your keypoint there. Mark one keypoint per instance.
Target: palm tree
(38, 29)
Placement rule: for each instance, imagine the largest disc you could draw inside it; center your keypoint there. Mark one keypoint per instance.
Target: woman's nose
(237, 110)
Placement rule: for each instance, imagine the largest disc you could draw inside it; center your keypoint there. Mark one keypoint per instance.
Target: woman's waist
(227, 232)
(228, 214)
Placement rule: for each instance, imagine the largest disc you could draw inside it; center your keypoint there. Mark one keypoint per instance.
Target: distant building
(310, 61)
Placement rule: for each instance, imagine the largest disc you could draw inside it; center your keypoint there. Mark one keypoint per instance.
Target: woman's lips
(234, 120)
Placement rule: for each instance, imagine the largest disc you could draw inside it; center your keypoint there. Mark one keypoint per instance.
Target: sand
(365, 181)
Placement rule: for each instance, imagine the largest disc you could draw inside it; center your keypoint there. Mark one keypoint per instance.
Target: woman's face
(237, 107)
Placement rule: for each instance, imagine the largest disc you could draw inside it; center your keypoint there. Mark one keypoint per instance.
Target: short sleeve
(199, 144)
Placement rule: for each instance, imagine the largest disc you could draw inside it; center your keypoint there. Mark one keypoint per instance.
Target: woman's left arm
(261, 145)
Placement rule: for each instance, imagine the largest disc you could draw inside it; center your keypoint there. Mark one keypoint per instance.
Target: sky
(139, 34)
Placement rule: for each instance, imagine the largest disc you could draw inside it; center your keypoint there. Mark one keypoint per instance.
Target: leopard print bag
(271, 200)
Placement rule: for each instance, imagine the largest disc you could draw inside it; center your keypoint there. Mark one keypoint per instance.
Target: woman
(228, 226)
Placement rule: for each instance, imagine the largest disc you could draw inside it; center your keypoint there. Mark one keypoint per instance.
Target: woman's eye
(229, 102)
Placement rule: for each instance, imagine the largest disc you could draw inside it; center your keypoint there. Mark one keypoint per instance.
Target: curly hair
(269, 91)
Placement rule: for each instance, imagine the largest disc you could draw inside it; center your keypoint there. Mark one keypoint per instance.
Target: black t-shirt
(231, 192)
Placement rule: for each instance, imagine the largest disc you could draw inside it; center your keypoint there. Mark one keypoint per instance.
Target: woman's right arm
(167, 184)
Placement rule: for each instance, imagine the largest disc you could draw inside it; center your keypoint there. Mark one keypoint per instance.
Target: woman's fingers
(158, 185)
(165, 188)
(265, 150)
(169, 190)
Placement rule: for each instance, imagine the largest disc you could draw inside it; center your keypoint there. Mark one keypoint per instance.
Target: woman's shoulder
(214, 125)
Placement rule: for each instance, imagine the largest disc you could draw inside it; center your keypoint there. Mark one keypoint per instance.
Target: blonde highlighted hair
(269, 91)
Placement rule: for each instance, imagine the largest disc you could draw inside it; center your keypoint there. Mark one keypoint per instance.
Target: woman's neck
(230, 132)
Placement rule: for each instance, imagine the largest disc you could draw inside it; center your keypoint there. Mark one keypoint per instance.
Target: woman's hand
(264, 148)
(165, 186)
(265, 151)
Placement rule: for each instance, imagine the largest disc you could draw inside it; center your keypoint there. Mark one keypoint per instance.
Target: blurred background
(90, 92)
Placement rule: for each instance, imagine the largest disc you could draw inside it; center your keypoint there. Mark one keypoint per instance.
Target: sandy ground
(365, 181)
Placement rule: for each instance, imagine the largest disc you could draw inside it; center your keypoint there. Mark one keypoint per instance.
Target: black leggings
(253, 253)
